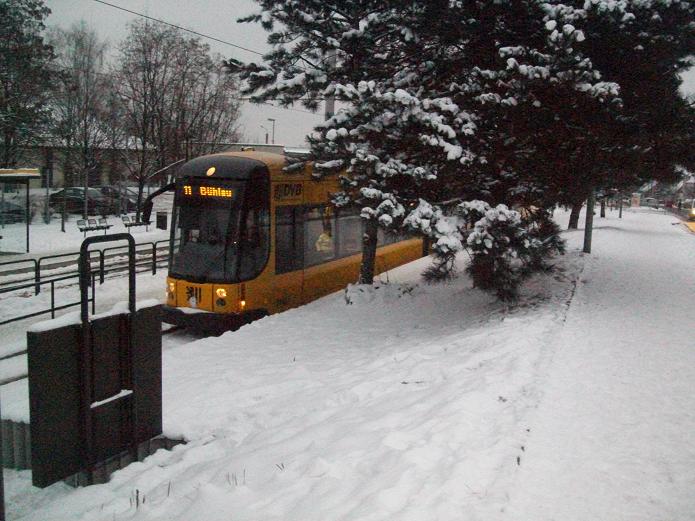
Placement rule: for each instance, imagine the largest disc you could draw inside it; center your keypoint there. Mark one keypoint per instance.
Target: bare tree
(177, 98)
(79, 109)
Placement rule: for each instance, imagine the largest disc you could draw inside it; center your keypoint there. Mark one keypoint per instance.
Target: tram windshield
(222, 234)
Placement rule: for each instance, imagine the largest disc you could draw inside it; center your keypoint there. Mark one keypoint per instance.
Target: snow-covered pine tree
(509, 58)
(352, 51)
(444, 101)
(27, 79)
(641, 47)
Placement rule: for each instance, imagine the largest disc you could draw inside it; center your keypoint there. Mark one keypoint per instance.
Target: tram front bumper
(207, 321)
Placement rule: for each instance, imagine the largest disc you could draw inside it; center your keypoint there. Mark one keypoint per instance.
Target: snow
(412, 402)
(74, 316)
(121, 394)
(110, 298)
(47, 239)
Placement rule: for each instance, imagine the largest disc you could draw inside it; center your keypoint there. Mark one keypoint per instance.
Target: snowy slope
(434, 402)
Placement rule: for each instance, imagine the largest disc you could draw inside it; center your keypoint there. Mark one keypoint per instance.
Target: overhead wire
(203, 35)
(240, 98)
(178, 27)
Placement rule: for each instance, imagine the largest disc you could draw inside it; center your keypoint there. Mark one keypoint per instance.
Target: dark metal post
(53, 300)
(2, 488)
(154, 259)
(27, 215)
(101, 265)
(37, 277)
(2, 204)
(63, 212)
(46, 214)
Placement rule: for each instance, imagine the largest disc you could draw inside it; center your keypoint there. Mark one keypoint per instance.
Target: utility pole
(266, 136)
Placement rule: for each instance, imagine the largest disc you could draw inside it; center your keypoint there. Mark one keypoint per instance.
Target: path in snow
(613, 437)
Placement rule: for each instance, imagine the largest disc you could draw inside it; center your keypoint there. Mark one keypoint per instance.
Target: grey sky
(216, 18)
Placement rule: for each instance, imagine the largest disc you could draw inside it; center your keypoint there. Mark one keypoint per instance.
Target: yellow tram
(249, 239)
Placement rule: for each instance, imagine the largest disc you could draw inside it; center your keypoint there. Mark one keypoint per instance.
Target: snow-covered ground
(416, 402)
(48, 239)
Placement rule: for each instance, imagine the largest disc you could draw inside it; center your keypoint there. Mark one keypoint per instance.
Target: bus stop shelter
(15, 208)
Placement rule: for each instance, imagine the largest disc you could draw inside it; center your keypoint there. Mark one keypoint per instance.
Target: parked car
(11, 213)
(74, 198)
(650, 202)
(118, 201)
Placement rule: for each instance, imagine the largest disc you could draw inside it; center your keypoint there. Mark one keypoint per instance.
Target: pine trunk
(369, 239)
(603, 207)
(588, 228)
(574, 216)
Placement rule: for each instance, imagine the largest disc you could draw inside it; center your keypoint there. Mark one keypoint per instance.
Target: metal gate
(95, 386)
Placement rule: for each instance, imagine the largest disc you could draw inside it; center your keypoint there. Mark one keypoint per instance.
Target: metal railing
(52, 310)
(150, 254)
(51, 269)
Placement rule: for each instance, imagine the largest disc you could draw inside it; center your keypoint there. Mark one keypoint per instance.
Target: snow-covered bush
(504, 247)
(499, 246)
(546, 234)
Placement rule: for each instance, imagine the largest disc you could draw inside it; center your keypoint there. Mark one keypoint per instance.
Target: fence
(50, 269)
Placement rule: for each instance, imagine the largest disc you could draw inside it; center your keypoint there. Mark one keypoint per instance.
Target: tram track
(8, 277)
(10, 356)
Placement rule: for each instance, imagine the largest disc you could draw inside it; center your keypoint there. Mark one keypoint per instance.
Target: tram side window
(289, 244)
(349, 232)
(319, 234)
(385, 238)
(255, 243)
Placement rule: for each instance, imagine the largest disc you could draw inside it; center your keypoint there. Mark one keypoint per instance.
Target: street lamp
(273, 121)
(266, 134)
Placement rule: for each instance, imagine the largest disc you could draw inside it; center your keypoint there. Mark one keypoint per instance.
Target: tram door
(289, 246)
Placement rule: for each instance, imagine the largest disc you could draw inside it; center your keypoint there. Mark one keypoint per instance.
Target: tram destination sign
(216, 192)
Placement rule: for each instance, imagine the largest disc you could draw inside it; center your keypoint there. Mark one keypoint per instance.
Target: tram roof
(233, 165)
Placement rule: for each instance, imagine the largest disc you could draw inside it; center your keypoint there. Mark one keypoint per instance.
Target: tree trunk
(369, 239)
(141, 189)
(588, 228)
(9, 159)
(603, 207)
(574, 216)
(620, 207)
(86, 190)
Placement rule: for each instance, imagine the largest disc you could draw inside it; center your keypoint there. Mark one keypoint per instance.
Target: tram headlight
(221, 293)
(171, 287)
(242, 304)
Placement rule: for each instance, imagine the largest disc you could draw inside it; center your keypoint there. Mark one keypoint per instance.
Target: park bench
(129, 222)
(91, 225)
(103, 224)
